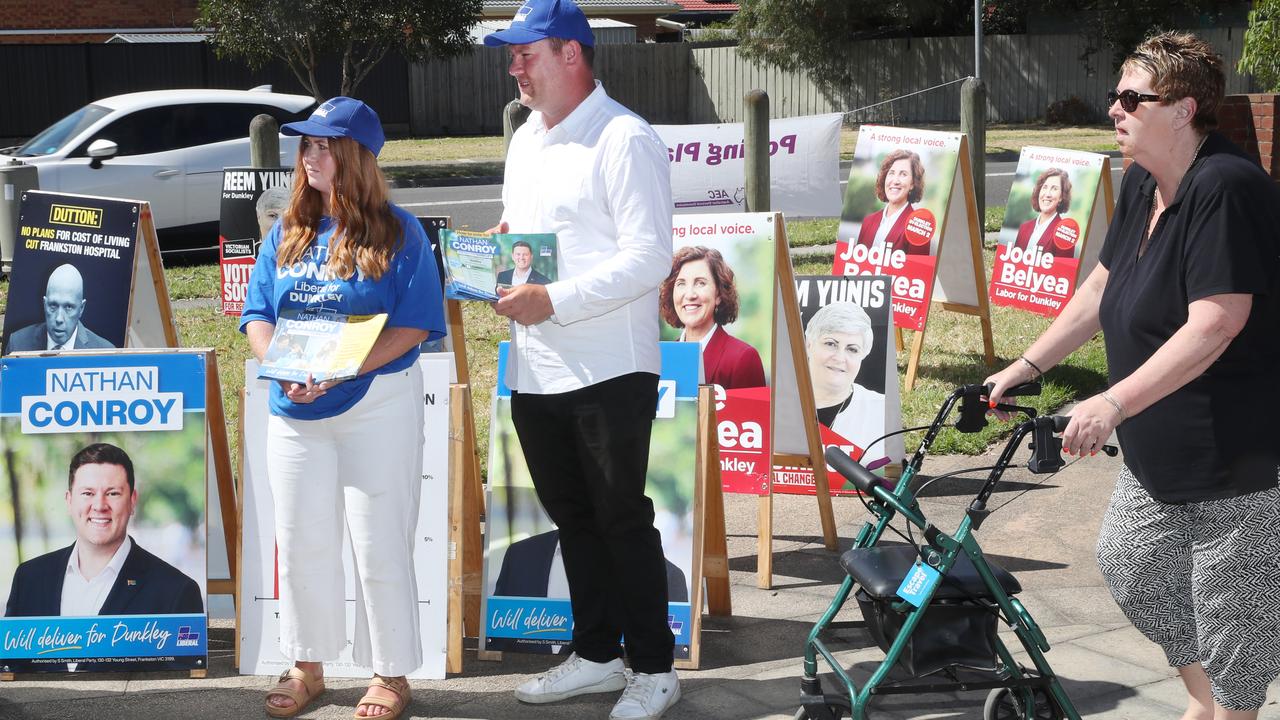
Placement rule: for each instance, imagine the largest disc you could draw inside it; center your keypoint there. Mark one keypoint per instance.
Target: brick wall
(1250, 122)
(139, 15)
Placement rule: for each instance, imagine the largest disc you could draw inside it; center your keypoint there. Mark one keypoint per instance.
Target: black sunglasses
(1129, 99)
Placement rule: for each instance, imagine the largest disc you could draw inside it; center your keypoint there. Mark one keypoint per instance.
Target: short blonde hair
(1182, 65)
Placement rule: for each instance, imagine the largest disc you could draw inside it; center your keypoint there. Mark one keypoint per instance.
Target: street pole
(973, 118)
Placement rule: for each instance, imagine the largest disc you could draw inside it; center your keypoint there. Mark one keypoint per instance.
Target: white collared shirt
(702, 344)
(600, 180)
(86, 597)
(70, 344)
(519, 278)
(887, 222)
(1038, 230)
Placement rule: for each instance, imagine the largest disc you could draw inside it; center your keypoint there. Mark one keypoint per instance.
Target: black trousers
(588, 452)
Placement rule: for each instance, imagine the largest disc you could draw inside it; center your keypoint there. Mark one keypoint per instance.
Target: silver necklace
(1151, 216)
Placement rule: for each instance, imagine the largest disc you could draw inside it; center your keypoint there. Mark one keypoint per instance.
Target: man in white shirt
(104, 572)
(64, 303)
(584, 354)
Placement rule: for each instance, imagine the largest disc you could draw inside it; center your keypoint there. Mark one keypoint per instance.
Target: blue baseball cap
(342, 117)
(541, 19)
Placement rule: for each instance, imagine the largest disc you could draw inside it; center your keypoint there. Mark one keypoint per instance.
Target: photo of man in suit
(104, 572)
(533, 568)
(523, 272)
(64, 303)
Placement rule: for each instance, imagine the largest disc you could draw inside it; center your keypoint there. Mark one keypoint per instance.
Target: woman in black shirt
(1186, 293)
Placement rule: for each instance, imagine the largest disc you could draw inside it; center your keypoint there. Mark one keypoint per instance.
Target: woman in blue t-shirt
(1187, 295)
(350, 452)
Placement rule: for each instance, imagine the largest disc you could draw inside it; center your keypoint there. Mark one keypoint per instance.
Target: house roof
(144, 37)
(707, 6)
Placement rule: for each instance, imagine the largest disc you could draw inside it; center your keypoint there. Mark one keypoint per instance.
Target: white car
(164, 146)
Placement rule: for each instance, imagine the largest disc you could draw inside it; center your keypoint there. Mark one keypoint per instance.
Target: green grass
(994, 219)
(193, 281)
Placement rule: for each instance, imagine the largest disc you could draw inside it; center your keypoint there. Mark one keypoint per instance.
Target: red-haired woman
(348, 453)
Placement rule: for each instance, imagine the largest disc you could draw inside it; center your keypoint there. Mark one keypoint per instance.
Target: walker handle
(1060, 424)
(851, 469)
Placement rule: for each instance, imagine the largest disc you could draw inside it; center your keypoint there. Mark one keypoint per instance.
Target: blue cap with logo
(342, 117)
(541, 19)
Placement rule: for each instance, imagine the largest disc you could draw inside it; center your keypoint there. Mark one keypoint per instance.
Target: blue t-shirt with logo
(409, 292)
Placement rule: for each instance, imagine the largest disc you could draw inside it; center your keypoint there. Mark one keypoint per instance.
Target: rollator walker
(933, 607)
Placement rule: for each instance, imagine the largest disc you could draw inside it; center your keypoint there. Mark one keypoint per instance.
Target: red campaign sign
(742, 428)
(1034, 279)
(912, 273)
(912, 278)
(235, 260)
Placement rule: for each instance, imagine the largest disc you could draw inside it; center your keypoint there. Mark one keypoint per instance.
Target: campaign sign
(525, 604)
(708, 166)
(72, 271)
(720, 292)
(252, 200)
(895, 207)
(1046, 224)
(102, 532)
(259, 626)
(848, 341)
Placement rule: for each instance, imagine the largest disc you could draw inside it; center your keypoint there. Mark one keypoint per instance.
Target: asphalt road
(478, 207)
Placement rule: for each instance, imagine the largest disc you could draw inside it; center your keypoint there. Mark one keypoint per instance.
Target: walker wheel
(1006, 704)
(835, 710)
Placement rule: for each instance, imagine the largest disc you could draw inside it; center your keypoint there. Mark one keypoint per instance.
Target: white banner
(259, 619)
(708, 170)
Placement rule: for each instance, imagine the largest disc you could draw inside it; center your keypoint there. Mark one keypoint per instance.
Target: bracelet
(1106, 395)
(1035, 368)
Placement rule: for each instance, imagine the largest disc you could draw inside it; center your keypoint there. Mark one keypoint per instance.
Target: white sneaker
(575, 676)
(647, 696)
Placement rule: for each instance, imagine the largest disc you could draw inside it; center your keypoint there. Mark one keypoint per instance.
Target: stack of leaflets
(477, 264)
(327, 346)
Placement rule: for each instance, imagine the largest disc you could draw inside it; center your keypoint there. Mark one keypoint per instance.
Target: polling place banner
(708, 170)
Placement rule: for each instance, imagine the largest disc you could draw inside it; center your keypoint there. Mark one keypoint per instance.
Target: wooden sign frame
(790, 360)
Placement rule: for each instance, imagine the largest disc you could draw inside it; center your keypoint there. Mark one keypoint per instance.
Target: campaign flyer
(477, 264)
(720, 293)
(1046, 224)
(895, 207)
(848, 341)
(525, 597)
(252, 200)
(72, 273)
(102, 531)
(319, 345)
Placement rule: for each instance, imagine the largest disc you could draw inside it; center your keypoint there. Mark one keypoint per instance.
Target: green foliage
(1119, 25)
(361, 32)
(1261, 55)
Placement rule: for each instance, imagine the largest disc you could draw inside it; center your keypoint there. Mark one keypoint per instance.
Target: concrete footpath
(751, 662)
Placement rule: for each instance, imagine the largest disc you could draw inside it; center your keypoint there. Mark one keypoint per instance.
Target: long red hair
(367, 234)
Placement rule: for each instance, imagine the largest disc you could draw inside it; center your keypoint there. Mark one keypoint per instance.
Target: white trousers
(365, 467)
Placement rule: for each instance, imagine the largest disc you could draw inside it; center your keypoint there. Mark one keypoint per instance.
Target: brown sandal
(312, 688)
(399, 686)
